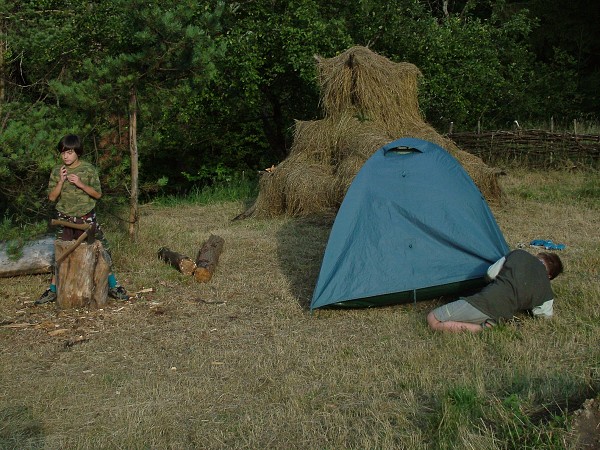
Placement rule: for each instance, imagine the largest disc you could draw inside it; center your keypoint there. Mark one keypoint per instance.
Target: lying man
(518, 281)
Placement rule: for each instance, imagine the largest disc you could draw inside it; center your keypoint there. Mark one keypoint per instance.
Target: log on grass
(82, 278)
(184, 264)
(208, 258)
(36, 257)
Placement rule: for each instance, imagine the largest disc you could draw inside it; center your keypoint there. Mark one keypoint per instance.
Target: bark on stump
(183, 263)
(82, 278)
(208, 258)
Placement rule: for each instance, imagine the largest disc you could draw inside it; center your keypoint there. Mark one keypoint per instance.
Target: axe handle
(72, 248)
(64, 223)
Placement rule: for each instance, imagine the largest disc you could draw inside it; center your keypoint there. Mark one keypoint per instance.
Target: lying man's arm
(494, 269)
(545, 310)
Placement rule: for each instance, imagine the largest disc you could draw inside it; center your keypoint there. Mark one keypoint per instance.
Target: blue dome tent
(412, 226)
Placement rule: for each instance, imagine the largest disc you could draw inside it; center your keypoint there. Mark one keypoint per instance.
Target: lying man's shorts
(461, 311)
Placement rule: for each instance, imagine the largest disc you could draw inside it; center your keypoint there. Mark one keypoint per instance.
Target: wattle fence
(537, 147)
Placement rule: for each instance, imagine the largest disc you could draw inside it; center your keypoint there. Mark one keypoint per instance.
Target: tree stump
(208, 258)
(183, 263)
(82, 278)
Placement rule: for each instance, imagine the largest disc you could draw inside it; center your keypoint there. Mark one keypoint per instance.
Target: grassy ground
(241, 363)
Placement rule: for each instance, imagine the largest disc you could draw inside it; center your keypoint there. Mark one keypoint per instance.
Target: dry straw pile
(368, 102)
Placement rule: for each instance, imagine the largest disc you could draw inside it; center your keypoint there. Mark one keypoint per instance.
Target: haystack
(368, 101)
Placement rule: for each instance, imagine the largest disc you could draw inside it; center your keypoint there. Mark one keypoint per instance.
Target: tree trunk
(208, 258)
(133, 150)
(37, 257)
(82, 278)
(183, 263)
(2, 75)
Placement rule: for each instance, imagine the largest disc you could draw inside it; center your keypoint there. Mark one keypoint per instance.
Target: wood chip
(144, 291)
(57, 332)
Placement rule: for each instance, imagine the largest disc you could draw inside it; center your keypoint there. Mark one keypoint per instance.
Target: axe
(85, 227)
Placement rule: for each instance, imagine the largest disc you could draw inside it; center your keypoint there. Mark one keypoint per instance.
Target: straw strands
(368, 102)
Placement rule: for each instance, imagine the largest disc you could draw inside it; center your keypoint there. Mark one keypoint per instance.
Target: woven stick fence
(534, 146)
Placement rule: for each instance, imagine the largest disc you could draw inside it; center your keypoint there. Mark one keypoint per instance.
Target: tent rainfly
(412, 226)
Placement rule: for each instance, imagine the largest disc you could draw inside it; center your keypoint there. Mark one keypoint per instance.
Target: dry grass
(368, 101)
(241, 363)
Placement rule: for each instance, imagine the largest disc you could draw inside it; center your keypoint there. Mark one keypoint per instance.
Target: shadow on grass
(20, 429)
(300, 247)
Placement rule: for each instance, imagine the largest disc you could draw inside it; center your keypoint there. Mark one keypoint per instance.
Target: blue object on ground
(547, 244)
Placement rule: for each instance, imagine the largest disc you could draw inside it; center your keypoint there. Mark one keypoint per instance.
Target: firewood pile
(203, 267)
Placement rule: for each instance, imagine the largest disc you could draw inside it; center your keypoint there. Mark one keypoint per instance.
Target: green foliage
(586, 193)
(266, 79)
(573, 34)
(230, 187)
(463, 412)
(20, 428)
(27, 154)
(15, 236)
(523, 432)
(211, 175)
(476, 62)
(460, 408)
(219, 84)
(81, 62)
(473, 67)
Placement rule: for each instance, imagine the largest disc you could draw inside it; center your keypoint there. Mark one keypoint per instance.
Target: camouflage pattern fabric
(72, 200)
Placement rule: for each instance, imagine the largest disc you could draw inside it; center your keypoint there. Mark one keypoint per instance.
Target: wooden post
(208, 258)
(451, 128)
(133, 150)
(552, 124)
(82, 278)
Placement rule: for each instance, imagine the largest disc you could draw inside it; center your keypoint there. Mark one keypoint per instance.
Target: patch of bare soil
(586, 425)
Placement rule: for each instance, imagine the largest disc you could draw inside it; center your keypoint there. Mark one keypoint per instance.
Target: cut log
(208, 258)
(82, 278)
(37, 257)
(184, 264)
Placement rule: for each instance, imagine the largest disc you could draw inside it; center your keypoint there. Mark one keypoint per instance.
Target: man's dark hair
(553, 263)
(71, 142)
